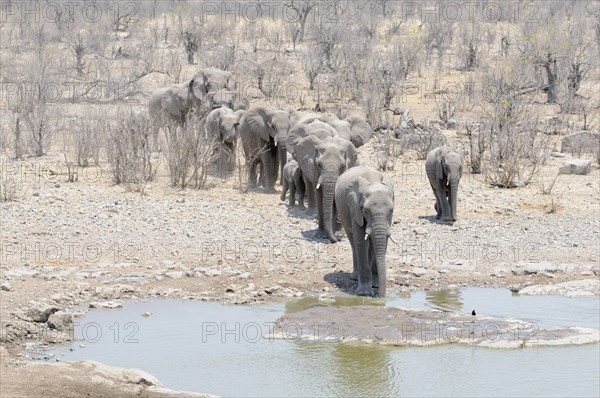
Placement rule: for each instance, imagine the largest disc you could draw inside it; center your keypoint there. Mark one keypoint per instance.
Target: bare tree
(471, 38)
(312, 65)
(297, 17)
(440, 38)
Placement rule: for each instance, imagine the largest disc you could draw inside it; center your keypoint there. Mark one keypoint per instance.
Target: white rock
(583, 288)
(576, 166)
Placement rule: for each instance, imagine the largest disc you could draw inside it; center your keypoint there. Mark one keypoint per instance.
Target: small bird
(473, 313)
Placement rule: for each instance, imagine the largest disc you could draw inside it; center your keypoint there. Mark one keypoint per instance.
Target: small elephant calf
(292, 180)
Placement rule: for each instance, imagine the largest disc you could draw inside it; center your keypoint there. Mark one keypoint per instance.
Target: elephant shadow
(314, 235)
(342, 281)
(298, 212)
(434, 220)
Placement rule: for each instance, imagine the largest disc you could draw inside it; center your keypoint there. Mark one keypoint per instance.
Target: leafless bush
(8, 190)
(243, 167)
(128, 151)
(446, 109)
(477, 146)
(546, 188)
(87, 141)
(515, 148)
(312, 65)
(386, 151)
(190, 155)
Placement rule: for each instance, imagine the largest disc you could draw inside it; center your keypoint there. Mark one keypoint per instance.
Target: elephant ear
(213, 123)
(255, 119)
(439, 165)
(239, 114)
(305, 154)
(296, 134)
(168, 102)
(351, 155)
(355, 200)
(360, 131)
(200, 85)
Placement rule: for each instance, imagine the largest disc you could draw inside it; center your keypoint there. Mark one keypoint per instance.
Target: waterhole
(227, 350)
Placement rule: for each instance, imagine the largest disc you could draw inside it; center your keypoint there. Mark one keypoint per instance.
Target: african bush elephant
(292, 180)
(322, 161)
(222, 127)
(444, 167)
(364, 198)
(213, 79)
(354, 128)
(264, 133)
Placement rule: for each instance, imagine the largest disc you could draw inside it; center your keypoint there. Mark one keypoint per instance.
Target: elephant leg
(284, 191)
(292, 192)
(267, 171)
(443, 202)
(437, 206)
(354, 274)
(252, 178)
(364, 287)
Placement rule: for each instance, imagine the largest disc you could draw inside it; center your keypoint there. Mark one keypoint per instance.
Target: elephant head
(444, 167)
(365, 198)
(322, 161)
(267, 130)
(213, 79)
(222, 124)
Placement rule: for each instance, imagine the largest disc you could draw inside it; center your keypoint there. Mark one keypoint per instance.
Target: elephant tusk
(366, 236)
(392, 239)
(318, 185)
(275, 143)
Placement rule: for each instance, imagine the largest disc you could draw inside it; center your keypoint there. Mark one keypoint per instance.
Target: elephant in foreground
(322, 161)
(444, 167)
(264, 133)
(364, 198)
(292, 180)
(222, 127)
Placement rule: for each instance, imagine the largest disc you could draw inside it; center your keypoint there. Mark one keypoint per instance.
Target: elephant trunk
(379, 238)
(282, 153)
(453, 197)
(328, 187)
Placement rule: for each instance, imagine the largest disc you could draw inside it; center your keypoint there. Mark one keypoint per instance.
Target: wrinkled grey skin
(264, 133)
(444, 167)
(364, 198)
(322, 161)
(175, 104)
(353, 128)
(292, 180)
(222, 127)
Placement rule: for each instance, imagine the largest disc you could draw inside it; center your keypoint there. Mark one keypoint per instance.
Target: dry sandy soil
(67, 244)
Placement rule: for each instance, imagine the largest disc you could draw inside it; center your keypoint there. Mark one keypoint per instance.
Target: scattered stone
(212, 272)
(245, 275)
(451, 124)
(146, 314)
(40, 312)
(106, 304)
(582, 288)
(7, 287)
(418, 272)
(175, 274)
(576, 166)
(60, 320)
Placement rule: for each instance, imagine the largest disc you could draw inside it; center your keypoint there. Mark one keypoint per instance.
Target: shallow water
(215, 348)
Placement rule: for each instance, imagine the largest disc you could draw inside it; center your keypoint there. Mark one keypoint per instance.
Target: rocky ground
(89, 242)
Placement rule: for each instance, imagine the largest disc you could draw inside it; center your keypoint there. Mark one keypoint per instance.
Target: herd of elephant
(316, 156)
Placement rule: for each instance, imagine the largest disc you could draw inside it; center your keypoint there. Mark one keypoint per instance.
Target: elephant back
(213, 79)
(360, 130)
(308, 125)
